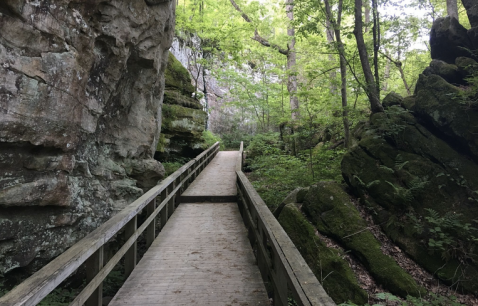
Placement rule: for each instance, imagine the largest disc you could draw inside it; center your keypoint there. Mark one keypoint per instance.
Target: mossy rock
(331, 210)
(181, 119)
(448, 72)
(410, 171)
(177, 98)
(439, 105)
(392, 99)
(338, 279)
(178, 77)
(467, 66)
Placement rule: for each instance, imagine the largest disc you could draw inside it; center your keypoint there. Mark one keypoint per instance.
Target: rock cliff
(81, 89)
(183, 117)
(415, 165)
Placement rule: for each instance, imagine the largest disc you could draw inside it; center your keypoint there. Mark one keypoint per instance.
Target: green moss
(176, 97)
(332, 212)
(330, 269)
(177, 76)
(162, 143)
(408, 173)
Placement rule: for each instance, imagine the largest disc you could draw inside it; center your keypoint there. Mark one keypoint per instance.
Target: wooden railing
(90, 250)
(279, 261)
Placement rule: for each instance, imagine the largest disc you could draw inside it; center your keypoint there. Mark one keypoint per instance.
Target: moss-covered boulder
(331, 210)
(330, 269)
(441, 107)
(410, 179)
(392, 99)
(449, 72)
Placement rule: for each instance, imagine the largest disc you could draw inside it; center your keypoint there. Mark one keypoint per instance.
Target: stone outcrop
(331, 211)
(327, 264)
(183, 117)
(81, 89)
(449, 40)
(415, 169)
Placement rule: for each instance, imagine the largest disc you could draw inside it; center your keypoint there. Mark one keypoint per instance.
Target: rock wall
(183, 117)
(188, 51)
(415, 165)
(81, 88)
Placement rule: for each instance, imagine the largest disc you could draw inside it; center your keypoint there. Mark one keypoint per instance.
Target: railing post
(164, 212)
(130, 256)
(280, 286)
(151, 229)
(93, 265)
(171, 202)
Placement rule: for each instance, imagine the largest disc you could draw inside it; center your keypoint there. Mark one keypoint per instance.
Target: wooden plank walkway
(217, 182)
(202, 256)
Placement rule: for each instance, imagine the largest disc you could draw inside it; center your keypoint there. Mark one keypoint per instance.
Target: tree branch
(257, 37)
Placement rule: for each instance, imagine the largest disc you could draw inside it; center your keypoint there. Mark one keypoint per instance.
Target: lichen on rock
(81, 87)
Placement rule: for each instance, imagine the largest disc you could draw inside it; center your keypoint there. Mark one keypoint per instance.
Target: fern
(373, 183)
(383, 167)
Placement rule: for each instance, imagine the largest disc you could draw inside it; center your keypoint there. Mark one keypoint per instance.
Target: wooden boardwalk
(202, 256)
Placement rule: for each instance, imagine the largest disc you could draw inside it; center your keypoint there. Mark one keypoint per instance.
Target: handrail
(89, 250)
(240, 157)
(279, 261)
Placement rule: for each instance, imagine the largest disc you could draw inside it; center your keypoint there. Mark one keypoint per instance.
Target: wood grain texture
(217, 179)
(201, 257)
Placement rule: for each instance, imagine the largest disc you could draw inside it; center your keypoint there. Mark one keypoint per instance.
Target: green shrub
(209, 139)
(264, 145)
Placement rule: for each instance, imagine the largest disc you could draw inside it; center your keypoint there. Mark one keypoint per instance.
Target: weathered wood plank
(302, 281)
(201, 257)
(35, 288)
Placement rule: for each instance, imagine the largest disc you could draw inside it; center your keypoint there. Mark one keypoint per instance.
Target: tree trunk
(291, 63)
(343, 66)
(370, 87)
(330, 39)
(366, 5)
(452, 8)
(376, 43)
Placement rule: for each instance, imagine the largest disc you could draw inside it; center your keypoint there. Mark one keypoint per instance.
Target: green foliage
(431, 299)
(275, 173)
(210, 139)
(171, 167)
(447, 234)
(264, 145)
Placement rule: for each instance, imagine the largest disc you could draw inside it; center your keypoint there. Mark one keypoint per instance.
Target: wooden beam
(151, 229)
(93, 265)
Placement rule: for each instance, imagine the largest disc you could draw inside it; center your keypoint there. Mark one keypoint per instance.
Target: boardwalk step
(208, 199)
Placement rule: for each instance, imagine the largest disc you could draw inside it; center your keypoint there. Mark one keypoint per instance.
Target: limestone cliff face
(81, 87)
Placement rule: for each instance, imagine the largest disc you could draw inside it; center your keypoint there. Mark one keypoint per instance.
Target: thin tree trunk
(376, 43)
(370, 87)
(452, 8)
(386, 76)
(343, 66)
(399, 66)
(366, 5)
(330, 39)
(292, 62)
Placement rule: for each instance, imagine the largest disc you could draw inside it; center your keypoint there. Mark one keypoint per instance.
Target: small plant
(450, 236)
